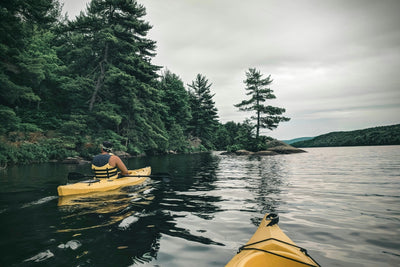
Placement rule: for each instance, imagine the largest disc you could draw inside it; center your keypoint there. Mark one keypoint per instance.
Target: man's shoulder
(101, 159)
(114, 157)
(102, 156)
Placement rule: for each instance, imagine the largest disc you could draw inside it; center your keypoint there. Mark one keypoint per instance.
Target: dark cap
(107, 146)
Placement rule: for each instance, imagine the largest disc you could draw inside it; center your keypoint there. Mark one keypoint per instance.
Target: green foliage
(66, 86)
(258, 144)
(27, 152)
(8, 119)
(133, 150)
(29, 127)
(108, 119)
(384, 135)
(233, 136)
(58, 148)
(177, 140)
(204, 120)
(23, 27)
(119, 142)
(76, 125)
(176, 101)
(234, 148)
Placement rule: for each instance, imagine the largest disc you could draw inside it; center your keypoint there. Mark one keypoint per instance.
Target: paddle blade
(162, 174)
(165, 177)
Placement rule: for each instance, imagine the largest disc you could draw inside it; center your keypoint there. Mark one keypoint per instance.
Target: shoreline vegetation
(374, 136)
(275, 148)
(271, 148)
(66, 85)
(382, 135)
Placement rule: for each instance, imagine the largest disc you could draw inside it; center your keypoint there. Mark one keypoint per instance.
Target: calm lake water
(341, 204)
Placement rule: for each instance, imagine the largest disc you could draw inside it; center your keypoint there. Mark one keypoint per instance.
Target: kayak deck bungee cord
(269, 246)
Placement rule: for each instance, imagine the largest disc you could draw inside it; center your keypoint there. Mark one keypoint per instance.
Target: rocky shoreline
(80, 160)
(275, 147)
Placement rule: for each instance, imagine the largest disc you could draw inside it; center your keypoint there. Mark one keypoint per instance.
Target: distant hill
(383, 135)
(291, 141)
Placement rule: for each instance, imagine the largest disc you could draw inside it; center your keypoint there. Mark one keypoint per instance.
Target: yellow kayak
(98, 185)
(269, 246)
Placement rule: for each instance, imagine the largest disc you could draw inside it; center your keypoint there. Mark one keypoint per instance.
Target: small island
(274, 147)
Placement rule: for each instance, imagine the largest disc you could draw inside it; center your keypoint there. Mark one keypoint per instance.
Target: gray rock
(243, 152)
(265, 153)
(74, 160)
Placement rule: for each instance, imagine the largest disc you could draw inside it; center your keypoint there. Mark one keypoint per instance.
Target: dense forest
(67, 85)
(291, 141)
(384, 135)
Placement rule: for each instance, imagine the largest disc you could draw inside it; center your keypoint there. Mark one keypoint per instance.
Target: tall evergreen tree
(204, 113)
(177, 113)
(21, 68)
(110, 59)
(176, 99)
(266, 116)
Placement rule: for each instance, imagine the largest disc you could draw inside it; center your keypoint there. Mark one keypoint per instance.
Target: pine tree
(21, 64)
(109, 57)
(204, 113)
(176, 99)
(266, 116)
(176, 114)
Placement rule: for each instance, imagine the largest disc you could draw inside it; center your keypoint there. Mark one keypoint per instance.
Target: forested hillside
(384, 135)
(67, 85)
(291, 141)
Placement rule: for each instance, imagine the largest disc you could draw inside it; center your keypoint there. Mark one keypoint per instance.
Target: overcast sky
(335, 63)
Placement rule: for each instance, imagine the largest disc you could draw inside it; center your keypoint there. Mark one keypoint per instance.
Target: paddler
(106, 164)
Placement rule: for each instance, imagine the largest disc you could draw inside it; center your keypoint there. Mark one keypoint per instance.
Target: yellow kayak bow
(269, 246)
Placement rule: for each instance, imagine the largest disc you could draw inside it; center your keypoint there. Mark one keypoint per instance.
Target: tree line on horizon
(67, 85)
(375, 136)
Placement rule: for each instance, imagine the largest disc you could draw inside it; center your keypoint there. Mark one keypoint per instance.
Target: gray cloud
(334, 62)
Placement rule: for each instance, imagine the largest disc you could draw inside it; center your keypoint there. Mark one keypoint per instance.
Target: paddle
(78, 176)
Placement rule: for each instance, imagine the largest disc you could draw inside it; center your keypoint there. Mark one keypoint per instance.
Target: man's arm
(120, 165)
